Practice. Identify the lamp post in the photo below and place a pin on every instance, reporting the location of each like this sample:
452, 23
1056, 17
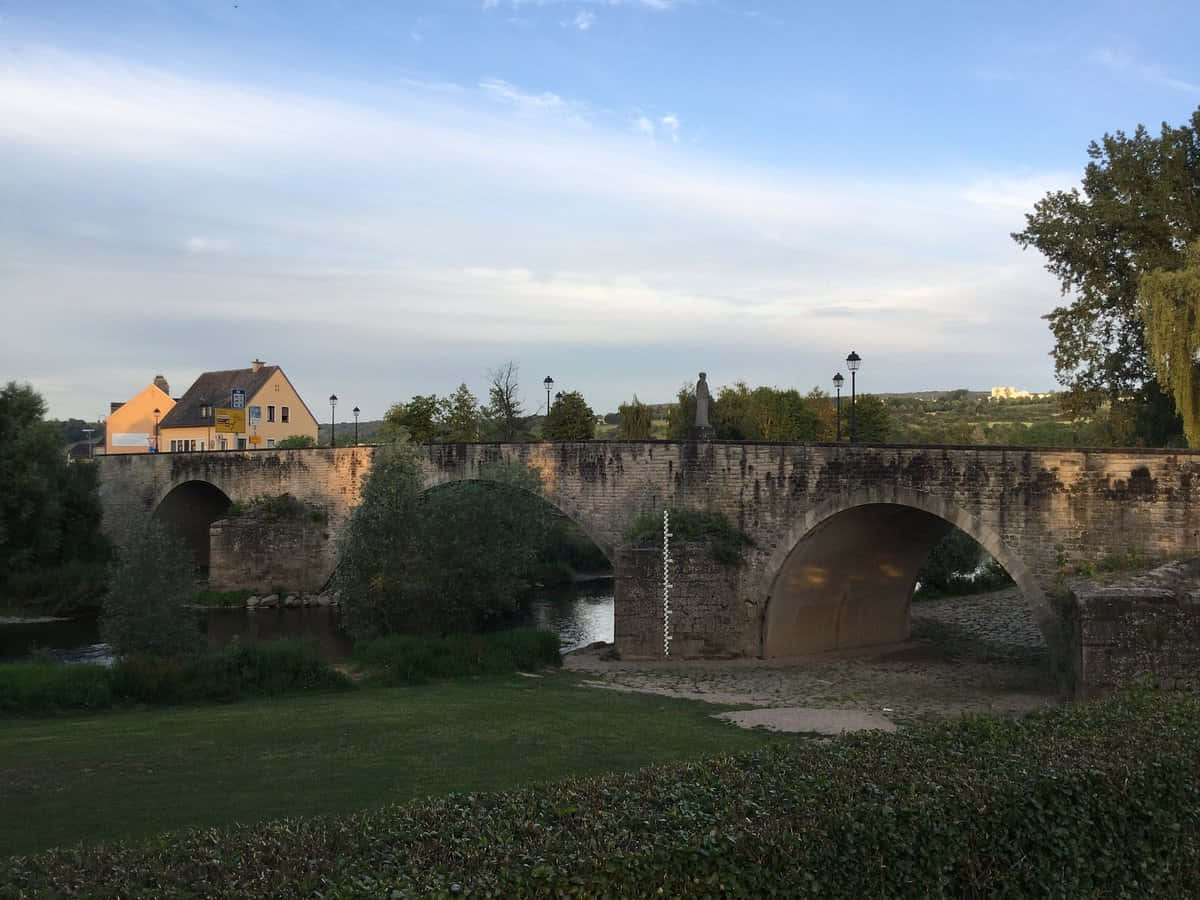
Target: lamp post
558, 396
548, 384
332, 421
205, 412
838, 381
157, 413
356, 411
853, 361
88, 437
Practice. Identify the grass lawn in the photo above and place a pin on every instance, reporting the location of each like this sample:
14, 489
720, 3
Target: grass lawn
133, 774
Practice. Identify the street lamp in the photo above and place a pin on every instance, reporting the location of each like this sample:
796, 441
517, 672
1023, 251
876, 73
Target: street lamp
332, 422
157, 413
838, 381
558, 396
205, 413
548, 384
356, 411
88, 437
853, 361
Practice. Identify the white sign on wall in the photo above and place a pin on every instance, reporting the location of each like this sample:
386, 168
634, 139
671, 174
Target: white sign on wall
130, 439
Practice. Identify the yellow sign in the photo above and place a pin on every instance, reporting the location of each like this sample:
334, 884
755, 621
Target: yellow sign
230, 421
255, 439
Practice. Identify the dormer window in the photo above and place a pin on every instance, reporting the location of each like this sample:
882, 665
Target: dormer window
205, 408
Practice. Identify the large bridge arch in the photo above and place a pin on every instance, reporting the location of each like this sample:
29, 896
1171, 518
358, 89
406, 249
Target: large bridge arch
843, 574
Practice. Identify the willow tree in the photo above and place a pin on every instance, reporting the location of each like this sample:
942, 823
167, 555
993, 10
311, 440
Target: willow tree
1170, 307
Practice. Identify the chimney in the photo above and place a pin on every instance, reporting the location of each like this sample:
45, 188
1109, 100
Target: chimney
256, 365
161, 384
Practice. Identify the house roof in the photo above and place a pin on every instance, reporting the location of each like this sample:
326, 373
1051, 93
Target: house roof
215, 387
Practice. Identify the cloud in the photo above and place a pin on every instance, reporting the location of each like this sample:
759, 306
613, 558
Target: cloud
201, 244
670, 125
1124, 63
439, 230
583, 20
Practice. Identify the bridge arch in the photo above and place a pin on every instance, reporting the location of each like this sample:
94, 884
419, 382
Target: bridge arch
874, 541
187, 510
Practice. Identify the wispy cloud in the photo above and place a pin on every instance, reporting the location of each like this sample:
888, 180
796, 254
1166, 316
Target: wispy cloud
583, 20
1125, 63
468, 224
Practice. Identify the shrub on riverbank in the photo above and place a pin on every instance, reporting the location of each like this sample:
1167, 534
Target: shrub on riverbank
243, 669
1093, 799
37, 687
412, 659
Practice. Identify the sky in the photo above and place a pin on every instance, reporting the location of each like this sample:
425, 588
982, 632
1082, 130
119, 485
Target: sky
391, 198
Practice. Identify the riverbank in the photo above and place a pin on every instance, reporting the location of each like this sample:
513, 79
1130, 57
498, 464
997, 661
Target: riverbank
134, 774
980, 653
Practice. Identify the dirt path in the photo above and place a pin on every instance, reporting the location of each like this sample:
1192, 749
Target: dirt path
979, 653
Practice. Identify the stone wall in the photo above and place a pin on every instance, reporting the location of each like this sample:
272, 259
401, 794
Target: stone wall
703, 602
1143, 626
1021, 504
253, 553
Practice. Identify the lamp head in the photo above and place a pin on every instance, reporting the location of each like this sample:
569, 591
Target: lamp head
853, 361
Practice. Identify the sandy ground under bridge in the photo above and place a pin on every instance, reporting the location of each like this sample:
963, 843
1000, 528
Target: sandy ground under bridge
978, 653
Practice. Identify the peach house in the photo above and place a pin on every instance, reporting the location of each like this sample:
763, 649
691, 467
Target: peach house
131, 425
274, 412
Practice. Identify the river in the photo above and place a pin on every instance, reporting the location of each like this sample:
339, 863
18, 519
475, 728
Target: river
581, 614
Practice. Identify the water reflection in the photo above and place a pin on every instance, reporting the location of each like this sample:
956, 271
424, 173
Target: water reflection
581, 614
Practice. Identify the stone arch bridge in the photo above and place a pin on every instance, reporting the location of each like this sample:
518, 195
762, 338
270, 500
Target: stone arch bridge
839, 531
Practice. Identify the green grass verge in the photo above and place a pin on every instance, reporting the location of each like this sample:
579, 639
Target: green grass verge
1094, 800
136, 773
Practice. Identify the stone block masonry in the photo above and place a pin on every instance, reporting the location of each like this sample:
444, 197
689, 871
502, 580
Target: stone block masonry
261, 554
1144, 626
838, 529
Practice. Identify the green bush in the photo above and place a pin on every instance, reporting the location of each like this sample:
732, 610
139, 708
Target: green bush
44, 687
69, 588
150, 595
1091, 800
413, 659
243, 669
263, 668
727, 543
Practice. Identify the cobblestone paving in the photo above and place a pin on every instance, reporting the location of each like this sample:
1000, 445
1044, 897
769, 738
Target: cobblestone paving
980, 653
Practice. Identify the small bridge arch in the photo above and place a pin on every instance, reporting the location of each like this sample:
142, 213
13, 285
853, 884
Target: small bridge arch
844, 573
187, 510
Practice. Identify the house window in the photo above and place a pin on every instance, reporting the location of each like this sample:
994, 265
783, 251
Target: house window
283, 414
202, 445
172, 446
270, 443
241, 443
193, 446
270, 414
224, 444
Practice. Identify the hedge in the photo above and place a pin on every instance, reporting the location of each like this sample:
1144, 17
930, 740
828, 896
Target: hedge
242, 669
416, 659
1099, 799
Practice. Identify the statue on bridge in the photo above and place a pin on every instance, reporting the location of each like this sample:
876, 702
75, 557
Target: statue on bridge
701, 429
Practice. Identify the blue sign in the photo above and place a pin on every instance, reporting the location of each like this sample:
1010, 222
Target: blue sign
237, 399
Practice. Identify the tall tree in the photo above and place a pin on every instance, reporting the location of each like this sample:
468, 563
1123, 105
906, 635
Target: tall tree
873, 419
636, 421
1138, 209
1170, 305
418, 420
505, 413
570, 419
460, 416
681, 416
